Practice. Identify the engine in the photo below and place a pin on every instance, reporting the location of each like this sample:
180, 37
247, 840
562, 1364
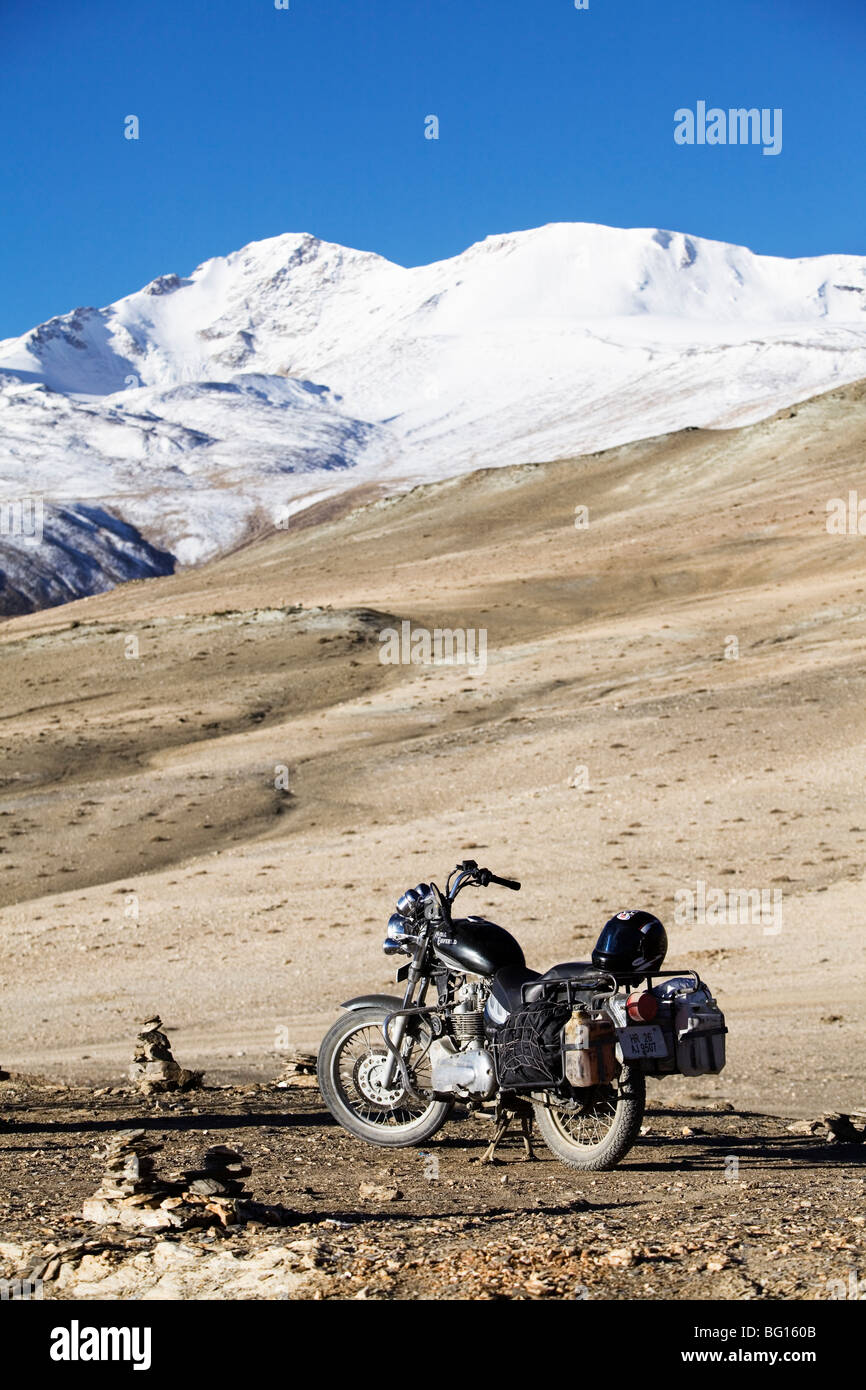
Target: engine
461, 1064
467, 1071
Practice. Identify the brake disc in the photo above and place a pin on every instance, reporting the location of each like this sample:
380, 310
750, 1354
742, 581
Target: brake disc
366, 1079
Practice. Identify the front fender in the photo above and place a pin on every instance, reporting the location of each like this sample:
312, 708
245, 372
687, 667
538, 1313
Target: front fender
369, 1001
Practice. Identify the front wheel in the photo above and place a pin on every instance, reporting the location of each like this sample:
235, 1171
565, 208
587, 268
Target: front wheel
594, 1129
349, 1067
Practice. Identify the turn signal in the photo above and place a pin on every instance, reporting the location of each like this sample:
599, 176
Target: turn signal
642, 1006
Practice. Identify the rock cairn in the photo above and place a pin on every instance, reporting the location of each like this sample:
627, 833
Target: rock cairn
299, 1070
129, 1165
130, 1193
154, 1068
842, 1129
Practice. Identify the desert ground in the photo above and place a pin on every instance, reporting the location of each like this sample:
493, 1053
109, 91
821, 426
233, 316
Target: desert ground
217, 827
212, 789
677, 1221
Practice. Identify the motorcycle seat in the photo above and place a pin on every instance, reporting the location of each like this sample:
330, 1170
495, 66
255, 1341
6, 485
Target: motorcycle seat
508, 982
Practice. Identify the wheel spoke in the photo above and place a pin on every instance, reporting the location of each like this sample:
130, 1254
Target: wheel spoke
587, 1125
358, 1067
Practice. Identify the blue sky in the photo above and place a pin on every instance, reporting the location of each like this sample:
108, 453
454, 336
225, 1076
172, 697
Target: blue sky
255, 121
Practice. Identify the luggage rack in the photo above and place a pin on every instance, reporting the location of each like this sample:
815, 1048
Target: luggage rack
588, 988
594, 983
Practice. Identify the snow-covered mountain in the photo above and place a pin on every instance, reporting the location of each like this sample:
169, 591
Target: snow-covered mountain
198, 409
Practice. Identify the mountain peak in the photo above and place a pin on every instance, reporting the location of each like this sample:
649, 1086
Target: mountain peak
295, 366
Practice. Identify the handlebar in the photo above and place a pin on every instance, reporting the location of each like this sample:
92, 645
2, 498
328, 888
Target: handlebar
468, 872
505, 882
438, 909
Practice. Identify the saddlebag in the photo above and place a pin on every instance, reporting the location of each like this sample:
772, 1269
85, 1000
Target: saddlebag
527, 1048
699, 1033
692, 1026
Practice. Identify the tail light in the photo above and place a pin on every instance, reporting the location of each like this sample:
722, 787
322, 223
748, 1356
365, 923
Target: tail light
642, 1006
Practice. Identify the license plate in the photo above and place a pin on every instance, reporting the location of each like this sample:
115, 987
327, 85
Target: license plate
640, 1043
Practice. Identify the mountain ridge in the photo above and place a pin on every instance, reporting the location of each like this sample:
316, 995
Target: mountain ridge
295, 367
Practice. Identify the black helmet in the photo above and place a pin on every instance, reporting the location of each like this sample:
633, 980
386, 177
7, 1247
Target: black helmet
632, 944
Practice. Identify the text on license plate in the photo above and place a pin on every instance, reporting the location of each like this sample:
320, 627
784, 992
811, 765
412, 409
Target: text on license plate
641, 1042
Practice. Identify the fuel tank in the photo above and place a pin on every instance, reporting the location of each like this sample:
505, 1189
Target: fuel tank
476, 945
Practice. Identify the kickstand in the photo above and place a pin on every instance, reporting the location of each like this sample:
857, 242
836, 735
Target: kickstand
503, 1123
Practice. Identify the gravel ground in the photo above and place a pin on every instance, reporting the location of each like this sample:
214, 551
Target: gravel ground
711, 1204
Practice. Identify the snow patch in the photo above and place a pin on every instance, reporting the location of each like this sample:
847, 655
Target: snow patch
199, 407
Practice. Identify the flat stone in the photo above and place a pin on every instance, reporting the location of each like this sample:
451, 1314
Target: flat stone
209, 1187
222, 1151
100, 1212
379, 1192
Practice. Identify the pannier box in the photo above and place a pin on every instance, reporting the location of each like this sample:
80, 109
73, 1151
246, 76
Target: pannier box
693, 1027
699, 1029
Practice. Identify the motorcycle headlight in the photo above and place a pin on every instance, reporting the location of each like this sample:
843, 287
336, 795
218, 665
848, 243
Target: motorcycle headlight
395, 934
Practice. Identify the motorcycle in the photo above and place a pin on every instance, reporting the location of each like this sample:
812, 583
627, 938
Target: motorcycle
570, 1048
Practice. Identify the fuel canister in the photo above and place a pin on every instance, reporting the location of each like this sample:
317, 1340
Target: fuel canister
590, 1049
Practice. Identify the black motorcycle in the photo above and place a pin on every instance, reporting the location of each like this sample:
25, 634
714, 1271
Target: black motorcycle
570, 1048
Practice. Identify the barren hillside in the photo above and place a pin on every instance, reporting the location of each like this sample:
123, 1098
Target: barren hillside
155, 855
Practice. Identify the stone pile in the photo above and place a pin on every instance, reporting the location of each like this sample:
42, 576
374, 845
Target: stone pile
130, 1193
299, 1070
834, 1126
842, 1128
217, 1189
154, 1068
129, 1165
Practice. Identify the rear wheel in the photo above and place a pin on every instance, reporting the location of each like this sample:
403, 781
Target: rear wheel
349, 1065
595, 1128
